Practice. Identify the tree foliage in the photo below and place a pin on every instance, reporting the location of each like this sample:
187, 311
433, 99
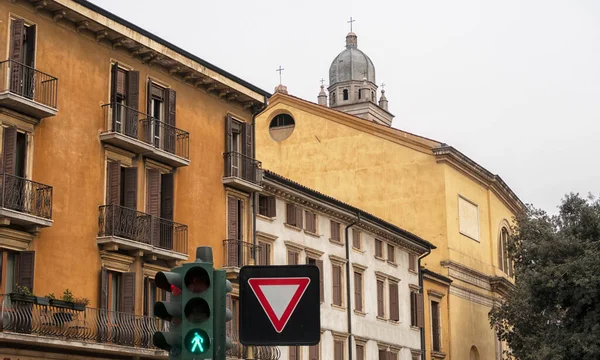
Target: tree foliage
554, 310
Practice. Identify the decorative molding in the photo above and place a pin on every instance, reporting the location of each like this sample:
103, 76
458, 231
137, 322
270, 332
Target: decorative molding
501, 286
467, 275
23, 122
314, 253
471, 295
102, 34
293, 246
82, 25
117, 154
435, 294
15, 240
150, 270
116, 262
414, 287
59, 14
266, 236
359, 267
337, 259
384, 276
152, 164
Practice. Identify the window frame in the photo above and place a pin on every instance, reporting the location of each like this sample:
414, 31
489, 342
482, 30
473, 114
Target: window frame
439, 324
382, 254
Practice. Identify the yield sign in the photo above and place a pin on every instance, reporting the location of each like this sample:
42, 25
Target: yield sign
279, 297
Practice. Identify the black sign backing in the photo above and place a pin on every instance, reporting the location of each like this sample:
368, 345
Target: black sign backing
280, 305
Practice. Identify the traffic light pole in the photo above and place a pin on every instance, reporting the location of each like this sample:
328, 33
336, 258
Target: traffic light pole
250, 355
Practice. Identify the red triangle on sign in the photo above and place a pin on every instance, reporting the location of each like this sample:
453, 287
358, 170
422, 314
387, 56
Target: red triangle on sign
279, 297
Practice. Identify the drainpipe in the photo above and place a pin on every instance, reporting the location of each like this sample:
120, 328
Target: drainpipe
254, 196
423, 355
349, 308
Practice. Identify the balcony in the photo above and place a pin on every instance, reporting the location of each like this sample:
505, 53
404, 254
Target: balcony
123, 228
93, 330
239, 351
142, 134
238, 253
242, 172
24, 202
27, 90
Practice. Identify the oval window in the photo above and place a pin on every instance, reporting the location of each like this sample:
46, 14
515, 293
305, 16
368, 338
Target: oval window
281, 127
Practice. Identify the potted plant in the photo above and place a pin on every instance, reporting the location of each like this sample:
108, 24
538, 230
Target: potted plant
79, 303
65, 302
22, 294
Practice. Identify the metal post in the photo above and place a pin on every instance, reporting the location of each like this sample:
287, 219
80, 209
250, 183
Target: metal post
250, 348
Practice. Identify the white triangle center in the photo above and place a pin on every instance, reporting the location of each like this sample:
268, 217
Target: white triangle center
279, 297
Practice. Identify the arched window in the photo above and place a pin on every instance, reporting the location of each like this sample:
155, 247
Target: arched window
504, 261
474, 355
345, 94
281, 127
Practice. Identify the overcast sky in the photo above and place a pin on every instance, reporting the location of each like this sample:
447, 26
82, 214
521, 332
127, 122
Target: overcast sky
513, 84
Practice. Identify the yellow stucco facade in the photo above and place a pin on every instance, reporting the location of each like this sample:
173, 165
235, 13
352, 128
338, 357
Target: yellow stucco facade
415, 183
79, 46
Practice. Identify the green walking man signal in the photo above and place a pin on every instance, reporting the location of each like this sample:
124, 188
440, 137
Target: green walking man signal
197, 343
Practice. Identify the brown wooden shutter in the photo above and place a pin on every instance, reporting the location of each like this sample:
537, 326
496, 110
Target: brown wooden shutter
358, 291
335, 230
293, 352
380, 309
114, 75
9, 149
309, 221
232, 231
382, 354
360, 352
113, 180
247, 146
26, 269
153, 192
103, 288
313, 352
267, 251
412, 262
292, 258
391, 253
16, 53
336, 288
127, 298
338, 351
290, 214
130, 187
356, 238
299, 217
133, 99
170, 111
378, 248
319, 264
420, 311
394, 306
271, 206
166, 196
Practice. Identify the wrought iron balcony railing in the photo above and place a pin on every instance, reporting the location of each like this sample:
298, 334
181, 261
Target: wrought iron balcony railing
141, 126
119, 221
26, 196
239, 351
243, 167
29, 83
237, 253
93, 325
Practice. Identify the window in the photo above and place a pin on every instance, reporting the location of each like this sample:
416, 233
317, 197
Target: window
294, 352
236, 252
387, 354
335, 231
504, 260
293, 215
319, 264
391, 254
412, 262
161, 107
436, 340
121, 186
336, 289
338, 349
359, 94
383, 354
266, 206
14, 148
394, 305
380, 302
292, 257
311, 221
416, 308
313, 352
159, 203
264, 253
360, 352
358, 291
332, 98
468, 214
281, 127
378, 248
22, 51
117, 291
19, 270
356, 239
345, 92
124, 99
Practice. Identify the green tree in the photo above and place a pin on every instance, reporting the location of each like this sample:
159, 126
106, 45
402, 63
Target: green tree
554, 311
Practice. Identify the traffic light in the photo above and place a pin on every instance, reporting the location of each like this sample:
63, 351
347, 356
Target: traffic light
222, 342
197, 306
169, 311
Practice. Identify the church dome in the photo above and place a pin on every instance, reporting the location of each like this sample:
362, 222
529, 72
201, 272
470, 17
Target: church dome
351, 64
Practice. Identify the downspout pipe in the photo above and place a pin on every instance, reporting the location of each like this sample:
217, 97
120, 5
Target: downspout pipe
254, 196
423, 355
348, 297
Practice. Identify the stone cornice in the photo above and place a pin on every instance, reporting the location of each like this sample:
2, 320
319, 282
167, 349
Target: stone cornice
115, 261
266, 236
496, 284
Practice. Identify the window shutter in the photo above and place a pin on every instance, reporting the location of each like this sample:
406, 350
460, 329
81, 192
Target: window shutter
378, 248
356, 238
130, 184
267, 254
127, 300
336, 288
293, 350
338, 350
232, 231
114, 74
382, 354
103, 288
16, 53
335, 230
420, 312
166, 196
313, 352
149, 99
292, 258
26, 269
358, 291
247, 140
394, 306
380, 309
113, 181
228, 144
133, 99
170, 111
153, 194
360, 352
290, 214
319, 264
271, 206
391, 253
412, 262
9, 148
309, 221
299, 217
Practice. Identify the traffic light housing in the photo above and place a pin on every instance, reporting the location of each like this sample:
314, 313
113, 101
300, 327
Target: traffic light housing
222, 342
170, 311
